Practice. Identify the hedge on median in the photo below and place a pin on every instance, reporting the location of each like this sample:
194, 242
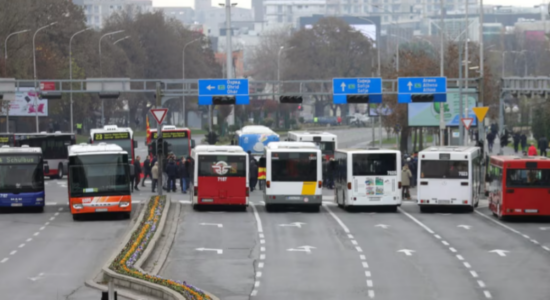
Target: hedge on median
124, 262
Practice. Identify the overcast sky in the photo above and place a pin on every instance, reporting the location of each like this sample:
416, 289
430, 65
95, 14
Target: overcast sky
246, 3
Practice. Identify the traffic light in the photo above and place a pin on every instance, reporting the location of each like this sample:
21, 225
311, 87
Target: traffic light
212, 138
167, 147
291, 99
357, 98
224, 100
300, 107
160, 147
422, 98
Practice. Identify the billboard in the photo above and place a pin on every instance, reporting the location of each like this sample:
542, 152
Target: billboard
24, 104
427, 114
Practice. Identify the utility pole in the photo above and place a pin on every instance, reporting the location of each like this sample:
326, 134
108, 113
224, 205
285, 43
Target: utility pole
229, 52
466, 71
160, 156
442, 73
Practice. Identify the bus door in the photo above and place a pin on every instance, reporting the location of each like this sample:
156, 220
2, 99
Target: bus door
446, 181
374, 178
222, 179
526, 190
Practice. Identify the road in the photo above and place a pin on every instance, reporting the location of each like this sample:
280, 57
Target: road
368, 254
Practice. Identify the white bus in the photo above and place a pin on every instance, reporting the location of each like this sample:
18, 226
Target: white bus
327, 141
449, 176
367, 177
221, 176
293, 175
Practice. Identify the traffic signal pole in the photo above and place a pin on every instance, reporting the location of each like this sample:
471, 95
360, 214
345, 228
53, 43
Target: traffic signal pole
160, 155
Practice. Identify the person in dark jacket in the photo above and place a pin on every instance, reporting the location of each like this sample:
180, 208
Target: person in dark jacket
190, 169
543, 145
146, 170
132, 177
490, 140
172, 172
137, 172
516, 139
523, 140
253, 173
183, 175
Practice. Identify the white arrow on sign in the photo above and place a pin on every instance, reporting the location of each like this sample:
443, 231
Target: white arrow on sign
410, 85
295, 224
406, 251
343, 86
499, 252
209, 87
219, 251
37, 277
212, 224
382, 226
302, 249
467, 227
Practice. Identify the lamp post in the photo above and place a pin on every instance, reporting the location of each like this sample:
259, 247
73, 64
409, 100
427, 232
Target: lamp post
35, 76
101, 72
120, 40
71, 70
184, 117
6, 41
228, 50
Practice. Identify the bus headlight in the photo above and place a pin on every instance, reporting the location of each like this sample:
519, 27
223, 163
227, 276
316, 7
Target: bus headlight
124, 204
39, 199
78, 206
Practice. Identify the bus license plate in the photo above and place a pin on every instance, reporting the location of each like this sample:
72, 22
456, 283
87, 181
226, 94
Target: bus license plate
374, 198
531, 211
207, 200
17, 204
443, 201
293, 198
101, 209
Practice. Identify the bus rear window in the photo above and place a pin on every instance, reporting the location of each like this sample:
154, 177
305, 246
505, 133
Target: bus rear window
444, 169
222, 166
293, 167
380, 164
522, 178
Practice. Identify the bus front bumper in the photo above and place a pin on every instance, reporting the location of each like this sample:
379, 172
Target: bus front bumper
115, 208
294, 199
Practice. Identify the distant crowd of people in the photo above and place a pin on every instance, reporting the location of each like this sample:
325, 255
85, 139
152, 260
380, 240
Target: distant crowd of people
174, 170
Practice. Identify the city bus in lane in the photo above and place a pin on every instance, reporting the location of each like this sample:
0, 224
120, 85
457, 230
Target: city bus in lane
519, 186
21, 177
99, 180
449, 176
222, 176
179, 140
326, 141
112, 134
369, 177
6, 139
254, 138
293, 175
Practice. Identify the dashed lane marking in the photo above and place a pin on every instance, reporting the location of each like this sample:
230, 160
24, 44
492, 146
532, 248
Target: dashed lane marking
260, 230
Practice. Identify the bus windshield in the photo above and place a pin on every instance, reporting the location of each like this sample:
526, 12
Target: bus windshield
327, 148
126, 145
180, 147
444, 169
20, 173
293, 167
222, 166
379, 164
99, 174
523, 178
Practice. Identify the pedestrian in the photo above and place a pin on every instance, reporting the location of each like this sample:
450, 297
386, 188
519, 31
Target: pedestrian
154, 176
413, 167
406, 181
331, 172
146, 170
516, 139
491, 140
253, 174
172, 172
261, 172
137, 172
543, 145
183, 175
190, 166
532, 150
132, 177
523, 141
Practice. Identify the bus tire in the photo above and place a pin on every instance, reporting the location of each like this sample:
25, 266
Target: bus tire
76, 218
126, 216
394, 208
40, 209
60, 171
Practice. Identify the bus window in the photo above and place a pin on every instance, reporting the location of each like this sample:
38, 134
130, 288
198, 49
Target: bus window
521, 178
374, 164
440, 169
222, 166
294, 167
327, 148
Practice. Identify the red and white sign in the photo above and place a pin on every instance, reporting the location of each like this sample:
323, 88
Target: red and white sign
47, 86
467, 122
159, 114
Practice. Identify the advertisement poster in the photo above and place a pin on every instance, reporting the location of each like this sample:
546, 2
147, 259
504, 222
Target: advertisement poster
24, 104
378, 186
427, 114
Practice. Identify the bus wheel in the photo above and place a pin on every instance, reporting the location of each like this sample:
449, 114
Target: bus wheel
393, 208
76, 218
60, 171
40, 209
126, 215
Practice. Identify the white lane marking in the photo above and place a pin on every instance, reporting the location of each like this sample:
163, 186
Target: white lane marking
262, 235
13, 252
501, 253
384, 226
262, 241
526, 236
295, 224
406, 251
487, 294
258, 274
56, 214
497, 222
437, 236
262, 249
452, 249
47, 223
467, 265
22, 245
262, 256
29, 239
256, 284
371, 294
185, 201
257, 216
459, 257
350, 236
358, 249
481, 283
369, 283
344, 227
362, 257
260, 265
262, 202
52, 218
4, 260
545, 248
367, 274
354, 242
417, 222
42, 228
535, 242
36, 233
365, 265
445, 243
219, 251
474, 274
61, 208
212, 224
254, 293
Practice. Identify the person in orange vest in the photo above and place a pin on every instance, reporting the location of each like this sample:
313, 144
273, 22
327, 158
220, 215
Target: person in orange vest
532, 150
261, 172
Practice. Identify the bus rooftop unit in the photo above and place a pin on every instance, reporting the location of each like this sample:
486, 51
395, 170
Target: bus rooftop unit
254, 138
327, 142
112, 134
367, 178
222, 176
99, 180
293, 175
21, 177
449, 176
518, 186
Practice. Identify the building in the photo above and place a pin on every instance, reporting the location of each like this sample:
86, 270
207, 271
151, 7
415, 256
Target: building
97, 11
186, 15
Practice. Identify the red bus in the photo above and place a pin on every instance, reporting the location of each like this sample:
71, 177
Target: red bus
221, 176
178, 139
112, 134
519, 186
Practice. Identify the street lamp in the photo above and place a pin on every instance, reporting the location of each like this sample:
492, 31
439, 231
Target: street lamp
183, 77
6, 41
228, 50
122, 39
71, 70
34, 67
101, 73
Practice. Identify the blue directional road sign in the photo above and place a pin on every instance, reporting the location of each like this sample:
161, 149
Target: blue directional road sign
408, 86
223, 87
341, 87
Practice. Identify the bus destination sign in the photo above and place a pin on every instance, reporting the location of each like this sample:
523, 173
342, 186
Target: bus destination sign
5, 160
111, 136
171, 134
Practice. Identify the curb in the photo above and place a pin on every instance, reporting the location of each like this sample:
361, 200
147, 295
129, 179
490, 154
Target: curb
171, 236
145, 256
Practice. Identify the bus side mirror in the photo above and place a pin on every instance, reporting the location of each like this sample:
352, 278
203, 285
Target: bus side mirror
193, 144
135, 144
